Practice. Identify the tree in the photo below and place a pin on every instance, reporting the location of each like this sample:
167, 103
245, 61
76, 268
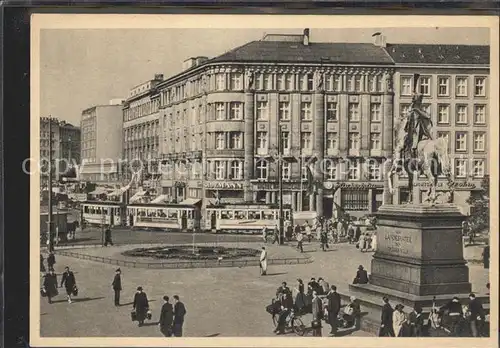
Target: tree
479, 202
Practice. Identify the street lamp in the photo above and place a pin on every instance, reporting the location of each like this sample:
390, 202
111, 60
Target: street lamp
49, 217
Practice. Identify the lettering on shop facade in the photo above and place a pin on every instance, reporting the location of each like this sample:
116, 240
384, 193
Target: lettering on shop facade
455, 185
224, 185
397, 243
328, 185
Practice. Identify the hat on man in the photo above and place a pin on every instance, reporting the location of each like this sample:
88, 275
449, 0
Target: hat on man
360, 267
139, 288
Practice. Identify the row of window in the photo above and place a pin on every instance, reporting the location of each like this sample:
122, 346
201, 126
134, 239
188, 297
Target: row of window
88, 144
226, 140
145, 108
273, 82
462, 166
462, 113
479, 140
443, 86
331, 141
147, 129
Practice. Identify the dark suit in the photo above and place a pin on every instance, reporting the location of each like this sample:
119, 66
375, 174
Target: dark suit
386, 328
141, 306
333, 310
51, 261
117, 287
476, 316
69, 282
416, 324
179, 313
317, 312
166, 319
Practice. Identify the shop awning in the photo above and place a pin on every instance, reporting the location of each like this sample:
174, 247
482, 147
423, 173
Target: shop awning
191, 201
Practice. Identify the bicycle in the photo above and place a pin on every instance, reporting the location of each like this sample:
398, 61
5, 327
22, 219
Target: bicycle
293, 321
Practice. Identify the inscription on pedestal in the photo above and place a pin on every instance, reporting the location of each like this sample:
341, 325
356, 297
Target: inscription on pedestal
397, 243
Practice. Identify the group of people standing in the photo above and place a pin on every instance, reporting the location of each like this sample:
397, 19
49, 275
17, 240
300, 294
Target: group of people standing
396, 323
320, 299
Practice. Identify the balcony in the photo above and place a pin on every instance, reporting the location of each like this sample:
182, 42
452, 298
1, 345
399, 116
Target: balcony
225, 152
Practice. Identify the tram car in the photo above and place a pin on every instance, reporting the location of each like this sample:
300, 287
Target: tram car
107, 213
177, 217
245, 218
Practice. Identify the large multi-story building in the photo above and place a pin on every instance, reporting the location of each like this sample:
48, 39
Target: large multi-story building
454, 81
331, 102
141, 126
69, 146
48, 125
101, 142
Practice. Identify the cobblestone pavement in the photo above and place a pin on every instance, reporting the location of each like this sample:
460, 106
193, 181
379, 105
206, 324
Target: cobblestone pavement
219, 301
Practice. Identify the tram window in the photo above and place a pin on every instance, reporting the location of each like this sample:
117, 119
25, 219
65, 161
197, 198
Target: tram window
224, 214
190, 214
163, 213
239, 214
258, 215
218, 214
85, 209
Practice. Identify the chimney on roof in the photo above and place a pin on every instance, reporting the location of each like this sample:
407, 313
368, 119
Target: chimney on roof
306, 37
379, 40
158, 77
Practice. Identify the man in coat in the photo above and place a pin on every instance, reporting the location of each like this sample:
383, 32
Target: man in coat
166, 318
317, 313
454, 309
477, 316
416, 321
333, 308
282, 290
107, 237
179, 313
69, 282
386, 328
51, 261
263, 261
286, 307
117, 286
50, 285
324, 287
141, 305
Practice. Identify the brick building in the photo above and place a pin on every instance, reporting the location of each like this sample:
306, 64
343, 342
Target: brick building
454, 80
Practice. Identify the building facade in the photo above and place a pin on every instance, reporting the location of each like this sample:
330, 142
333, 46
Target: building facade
101, 142
48, 125
141, 129
330, 105
69, 146
454, 80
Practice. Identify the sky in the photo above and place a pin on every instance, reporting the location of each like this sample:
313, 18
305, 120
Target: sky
80, 68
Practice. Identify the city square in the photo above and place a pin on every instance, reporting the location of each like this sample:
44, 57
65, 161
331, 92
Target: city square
352, 165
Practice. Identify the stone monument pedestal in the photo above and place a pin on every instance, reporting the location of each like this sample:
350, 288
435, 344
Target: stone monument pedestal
419, 256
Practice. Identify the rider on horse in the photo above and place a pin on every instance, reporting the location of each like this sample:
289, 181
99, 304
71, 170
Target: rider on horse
417, 126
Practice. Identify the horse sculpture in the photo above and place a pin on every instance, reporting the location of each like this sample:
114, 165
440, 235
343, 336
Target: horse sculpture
431, 159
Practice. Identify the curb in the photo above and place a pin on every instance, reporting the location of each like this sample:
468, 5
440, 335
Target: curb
185, 264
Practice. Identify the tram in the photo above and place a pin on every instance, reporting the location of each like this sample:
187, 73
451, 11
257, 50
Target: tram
245, 218
107, 213
179, 217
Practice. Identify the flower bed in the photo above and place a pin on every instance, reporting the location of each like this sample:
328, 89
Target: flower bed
185, 252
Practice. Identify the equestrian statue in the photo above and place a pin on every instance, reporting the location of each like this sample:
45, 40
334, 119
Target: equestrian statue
417, 151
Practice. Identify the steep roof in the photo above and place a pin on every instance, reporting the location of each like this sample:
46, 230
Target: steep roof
439, 54
294, 52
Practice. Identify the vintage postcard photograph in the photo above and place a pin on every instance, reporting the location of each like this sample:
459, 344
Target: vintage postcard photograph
284, 181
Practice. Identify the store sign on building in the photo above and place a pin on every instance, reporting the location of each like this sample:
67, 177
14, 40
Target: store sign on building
457, 185
224, 185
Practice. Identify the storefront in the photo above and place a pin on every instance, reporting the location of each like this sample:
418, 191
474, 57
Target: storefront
354, 198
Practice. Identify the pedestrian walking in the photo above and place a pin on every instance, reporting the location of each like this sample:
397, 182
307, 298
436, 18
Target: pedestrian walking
51, 260
42, 266
486, 257
300, 239
263, 261
333, 309
69, 282
477, 316
264, 234
308, 232
166, 317
324, 241
276, 235
50, 285
107, 237
117, 286
398, 320
350, 233
416, 322
317, 313
454, 308
386, 327
141, 305
179, 314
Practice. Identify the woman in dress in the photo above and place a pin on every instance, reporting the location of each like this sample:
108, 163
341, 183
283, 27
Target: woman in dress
398, 320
